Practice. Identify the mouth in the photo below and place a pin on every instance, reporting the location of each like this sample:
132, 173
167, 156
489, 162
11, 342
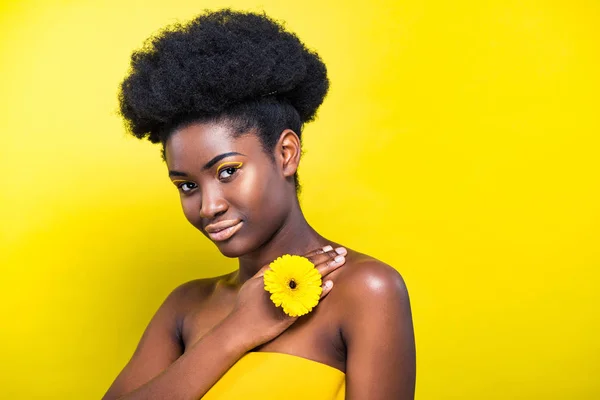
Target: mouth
221, 232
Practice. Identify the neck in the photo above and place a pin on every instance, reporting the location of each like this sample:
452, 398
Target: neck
295, 236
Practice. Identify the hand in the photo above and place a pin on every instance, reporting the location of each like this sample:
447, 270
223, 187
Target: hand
256, 314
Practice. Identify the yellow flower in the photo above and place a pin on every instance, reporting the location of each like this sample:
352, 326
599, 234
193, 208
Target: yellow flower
294, 284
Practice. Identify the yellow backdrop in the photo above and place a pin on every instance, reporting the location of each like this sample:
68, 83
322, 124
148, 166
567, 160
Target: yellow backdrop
459, 143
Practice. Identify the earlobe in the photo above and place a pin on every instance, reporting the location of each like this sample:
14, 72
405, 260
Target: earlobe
289, 152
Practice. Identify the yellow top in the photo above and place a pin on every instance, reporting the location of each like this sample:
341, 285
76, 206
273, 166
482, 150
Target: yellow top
277, 376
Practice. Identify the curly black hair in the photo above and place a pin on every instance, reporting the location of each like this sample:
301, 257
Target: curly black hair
237, 67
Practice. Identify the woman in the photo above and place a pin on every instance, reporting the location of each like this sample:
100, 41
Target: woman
227, 95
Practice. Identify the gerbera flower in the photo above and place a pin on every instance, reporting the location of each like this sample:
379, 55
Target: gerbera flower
294, 284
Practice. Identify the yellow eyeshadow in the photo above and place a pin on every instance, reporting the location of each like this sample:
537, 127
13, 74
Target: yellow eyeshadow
228, 165
178, 181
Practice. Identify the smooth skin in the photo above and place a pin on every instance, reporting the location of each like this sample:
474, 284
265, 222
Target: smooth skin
362, 325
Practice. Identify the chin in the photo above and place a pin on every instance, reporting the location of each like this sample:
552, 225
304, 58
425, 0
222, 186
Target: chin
239, 245
230, 251
233, 248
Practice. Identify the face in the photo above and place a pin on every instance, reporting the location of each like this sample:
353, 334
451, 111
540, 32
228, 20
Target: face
230, 189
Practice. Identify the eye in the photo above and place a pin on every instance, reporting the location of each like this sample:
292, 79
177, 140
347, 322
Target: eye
226, 172
187, 187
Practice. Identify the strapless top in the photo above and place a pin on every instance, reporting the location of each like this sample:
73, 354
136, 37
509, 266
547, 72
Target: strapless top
278, 376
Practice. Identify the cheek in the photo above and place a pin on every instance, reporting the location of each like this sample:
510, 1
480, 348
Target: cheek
262, 196
191, 206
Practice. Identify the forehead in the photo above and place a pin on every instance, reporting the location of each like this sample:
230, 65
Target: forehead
197, 143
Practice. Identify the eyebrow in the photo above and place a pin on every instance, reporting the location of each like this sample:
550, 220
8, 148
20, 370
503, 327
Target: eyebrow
209, 164
218, 158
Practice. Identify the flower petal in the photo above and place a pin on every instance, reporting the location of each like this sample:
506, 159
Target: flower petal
305, 295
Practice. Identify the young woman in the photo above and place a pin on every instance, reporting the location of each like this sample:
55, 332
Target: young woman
227, 95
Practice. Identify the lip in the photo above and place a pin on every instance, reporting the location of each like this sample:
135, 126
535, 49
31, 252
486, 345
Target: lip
223, 230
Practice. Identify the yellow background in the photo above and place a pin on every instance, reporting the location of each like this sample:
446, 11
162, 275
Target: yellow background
459, 143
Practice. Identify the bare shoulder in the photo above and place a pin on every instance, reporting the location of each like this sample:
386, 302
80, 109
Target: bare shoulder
364, 278
370, 297
194, 290
191, 294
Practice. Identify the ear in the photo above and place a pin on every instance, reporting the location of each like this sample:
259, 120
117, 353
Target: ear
287, 152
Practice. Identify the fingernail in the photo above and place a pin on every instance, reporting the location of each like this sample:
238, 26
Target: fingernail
328, 285
327, 248
341, 250
338, 259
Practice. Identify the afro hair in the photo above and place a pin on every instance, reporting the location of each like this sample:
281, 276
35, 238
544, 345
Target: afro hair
239, 66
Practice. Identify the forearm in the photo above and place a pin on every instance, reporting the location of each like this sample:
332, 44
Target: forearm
195, 372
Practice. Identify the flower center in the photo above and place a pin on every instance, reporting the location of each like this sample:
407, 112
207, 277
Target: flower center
292, 284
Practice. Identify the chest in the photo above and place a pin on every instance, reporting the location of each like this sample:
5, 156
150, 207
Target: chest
315, 336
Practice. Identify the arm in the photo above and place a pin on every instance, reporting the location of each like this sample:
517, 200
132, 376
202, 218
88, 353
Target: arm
157, 370
379, 337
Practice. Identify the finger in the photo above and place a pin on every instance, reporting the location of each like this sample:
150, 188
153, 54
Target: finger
325, 254
327, 286
324, 249
320, 250
317, 256
330, 265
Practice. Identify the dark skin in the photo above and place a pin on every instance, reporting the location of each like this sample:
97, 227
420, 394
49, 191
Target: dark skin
363, 326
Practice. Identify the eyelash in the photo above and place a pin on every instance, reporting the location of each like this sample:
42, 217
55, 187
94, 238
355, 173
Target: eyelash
232, 166
226, 167
182, 184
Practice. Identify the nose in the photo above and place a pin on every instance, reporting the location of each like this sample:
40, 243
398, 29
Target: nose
213, 204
